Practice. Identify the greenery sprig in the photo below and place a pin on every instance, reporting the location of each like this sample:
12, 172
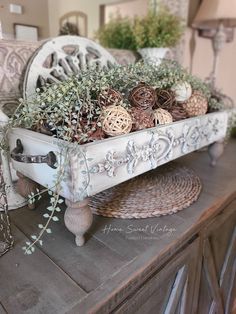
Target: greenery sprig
156, 29
70, 110
117, 33
52, 209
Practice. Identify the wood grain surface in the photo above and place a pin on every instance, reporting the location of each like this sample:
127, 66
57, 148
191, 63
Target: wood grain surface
119, 256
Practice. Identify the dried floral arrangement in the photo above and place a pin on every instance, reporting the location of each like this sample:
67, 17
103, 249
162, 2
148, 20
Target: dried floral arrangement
75, 110
107, 102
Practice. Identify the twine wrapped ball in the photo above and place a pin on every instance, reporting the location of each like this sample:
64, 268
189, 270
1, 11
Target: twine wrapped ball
161, 116
143, 96
109, 97
196, 105
116, 121
178, 112
182, 91
141, 119
165, 99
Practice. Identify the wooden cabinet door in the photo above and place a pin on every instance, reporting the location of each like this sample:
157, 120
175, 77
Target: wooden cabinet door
170, 290
217, 285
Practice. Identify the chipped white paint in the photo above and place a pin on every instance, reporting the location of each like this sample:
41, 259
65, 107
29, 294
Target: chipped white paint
97, 166
61, 57
102, 164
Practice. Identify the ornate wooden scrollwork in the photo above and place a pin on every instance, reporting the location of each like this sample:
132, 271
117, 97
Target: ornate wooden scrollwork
61, 57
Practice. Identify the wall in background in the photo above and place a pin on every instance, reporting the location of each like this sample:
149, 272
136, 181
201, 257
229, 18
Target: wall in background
130, 9
46, 13
203, 61
35, 12
57, 8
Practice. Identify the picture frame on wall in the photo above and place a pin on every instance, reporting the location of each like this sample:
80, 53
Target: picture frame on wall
26, 32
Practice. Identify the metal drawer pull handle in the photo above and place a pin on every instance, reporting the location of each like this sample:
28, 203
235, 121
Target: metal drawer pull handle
17, 154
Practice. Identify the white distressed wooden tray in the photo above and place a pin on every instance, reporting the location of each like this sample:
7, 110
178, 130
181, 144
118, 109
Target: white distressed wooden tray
100, 165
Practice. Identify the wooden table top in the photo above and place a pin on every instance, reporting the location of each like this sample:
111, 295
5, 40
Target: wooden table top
60, 277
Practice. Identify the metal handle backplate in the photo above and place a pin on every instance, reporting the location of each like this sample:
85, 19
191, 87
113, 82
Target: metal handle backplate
17, 154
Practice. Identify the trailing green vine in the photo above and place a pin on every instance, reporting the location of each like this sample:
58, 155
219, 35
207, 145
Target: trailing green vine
53, 208
69, 111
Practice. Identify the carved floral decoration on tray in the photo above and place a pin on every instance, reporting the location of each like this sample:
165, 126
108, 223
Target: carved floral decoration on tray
99, 103
160, 147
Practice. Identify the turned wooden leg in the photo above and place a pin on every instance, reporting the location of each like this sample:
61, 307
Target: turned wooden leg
25, 186
215, 150
78, 219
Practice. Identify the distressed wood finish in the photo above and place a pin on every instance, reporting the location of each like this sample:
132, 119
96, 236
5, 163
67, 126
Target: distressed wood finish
35, 285
210, 271
120, 271
100, 165
97, 166
176, 280
219, 263
2, 311
78, 219
215, 151
25, 186
60, 57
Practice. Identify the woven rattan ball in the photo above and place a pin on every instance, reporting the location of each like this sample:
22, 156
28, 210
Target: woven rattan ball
143, 96
109, 97
116, 121
196, 105
178, 112
141, 119
182, 91
161, 116
165, 99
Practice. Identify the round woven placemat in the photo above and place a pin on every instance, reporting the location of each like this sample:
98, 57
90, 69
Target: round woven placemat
163, 191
